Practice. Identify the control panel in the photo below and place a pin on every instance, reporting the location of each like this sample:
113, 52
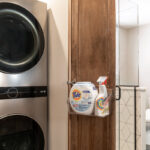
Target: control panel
22, 92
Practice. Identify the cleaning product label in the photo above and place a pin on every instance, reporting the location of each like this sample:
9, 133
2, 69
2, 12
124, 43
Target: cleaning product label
76, 94
94, 88
100, 103
82, 97
81, 100
102, 100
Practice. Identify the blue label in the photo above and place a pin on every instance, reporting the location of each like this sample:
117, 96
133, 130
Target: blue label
86, 91
94, 88
81, 107
76, 95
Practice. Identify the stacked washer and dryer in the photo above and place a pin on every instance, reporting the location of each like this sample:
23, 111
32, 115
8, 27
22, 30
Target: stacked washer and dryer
23, 75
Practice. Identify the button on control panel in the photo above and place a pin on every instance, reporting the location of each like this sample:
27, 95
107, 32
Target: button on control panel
12, 93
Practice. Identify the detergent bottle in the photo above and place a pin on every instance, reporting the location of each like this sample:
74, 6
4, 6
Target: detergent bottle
101, 103
82, 97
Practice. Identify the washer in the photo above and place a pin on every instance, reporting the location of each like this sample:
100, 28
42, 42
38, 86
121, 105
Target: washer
23, 75
23, 118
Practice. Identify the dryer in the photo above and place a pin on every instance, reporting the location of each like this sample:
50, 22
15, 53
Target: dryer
23, 43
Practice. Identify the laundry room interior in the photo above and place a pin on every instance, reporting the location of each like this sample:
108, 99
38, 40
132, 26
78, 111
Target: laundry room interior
74, 75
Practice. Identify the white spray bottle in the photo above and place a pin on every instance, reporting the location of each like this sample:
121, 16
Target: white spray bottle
101, 104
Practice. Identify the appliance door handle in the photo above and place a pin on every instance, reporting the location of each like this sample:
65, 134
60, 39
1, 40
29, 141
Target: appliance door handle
119, 96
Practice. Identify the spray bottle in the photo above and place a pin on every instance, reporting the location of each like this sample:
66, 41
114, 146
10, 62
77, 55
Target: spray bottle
101, 103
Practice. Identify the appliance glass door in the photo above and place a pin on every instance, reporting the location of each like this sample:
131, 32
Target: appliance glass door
21, 39
20, 133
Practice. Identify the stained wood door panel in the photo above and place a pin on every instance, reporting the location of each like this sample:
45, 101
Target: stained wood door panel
74, 51
92, 39
92, 54
89, 133
112, 70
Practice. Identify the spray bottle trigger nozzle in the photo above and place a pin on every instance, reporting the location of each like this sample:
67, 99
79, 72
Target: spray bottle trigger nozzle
102, 80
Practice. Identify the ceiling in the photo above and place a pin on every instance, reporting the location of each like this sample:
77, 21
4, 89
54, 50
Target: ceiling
133, 13
44, 1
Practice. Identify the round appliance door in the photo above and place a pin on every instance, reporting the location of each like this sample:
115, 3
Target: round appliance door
21, 39
20, 133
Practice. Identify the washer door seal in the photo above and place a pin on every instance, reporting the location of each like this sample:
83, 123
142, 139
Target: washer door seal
21, 39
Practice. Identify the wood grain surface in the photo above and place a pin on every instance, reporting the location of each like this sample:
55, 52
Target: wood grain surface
92, 54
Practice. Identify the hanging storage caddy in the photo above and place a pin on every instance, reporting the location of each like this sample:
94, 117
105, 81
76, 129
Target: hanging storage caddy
85, 100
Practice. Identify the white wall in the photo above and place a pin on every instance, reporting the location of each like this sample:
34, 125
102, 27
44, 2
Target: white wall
144, 53
58, 74
133, 56
129, 56
123, 56
117, 58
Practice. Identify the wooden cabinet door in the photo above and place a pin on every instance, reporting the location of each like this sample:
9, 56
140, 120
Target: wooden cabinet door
92, 54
